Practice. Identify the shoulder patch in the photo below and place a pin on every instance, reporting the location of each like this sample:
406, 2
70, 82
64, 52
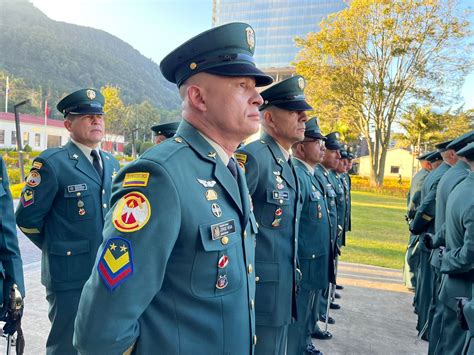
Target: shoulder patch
136, 179
33, 179
27, 197
131, 212
37, 165
242, 158
116, 262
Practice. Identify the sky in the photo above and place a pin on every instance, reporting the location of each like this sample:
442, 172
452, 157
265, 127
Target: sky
155, 27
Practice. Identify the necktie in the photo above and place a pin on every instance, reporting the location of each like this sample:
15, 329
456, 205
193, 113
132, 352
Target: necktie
232, 166
96, 162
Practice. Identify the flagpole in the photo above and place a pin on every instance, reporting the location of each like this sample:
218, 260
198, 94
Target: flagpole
46, 124
7, 89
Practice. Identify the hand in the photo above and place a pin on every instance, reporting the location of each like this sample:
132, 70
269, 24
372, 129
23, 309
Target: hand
411, 214
460, 312
428, 240
12, 321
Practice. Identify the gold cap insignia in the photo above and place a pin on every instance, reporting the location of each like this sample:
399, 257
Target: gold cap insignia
193, 66
250, 37
301, 83
90, 94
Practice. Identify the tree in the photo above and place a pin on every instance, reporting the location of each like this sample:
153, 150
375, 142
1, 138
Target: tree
372, 60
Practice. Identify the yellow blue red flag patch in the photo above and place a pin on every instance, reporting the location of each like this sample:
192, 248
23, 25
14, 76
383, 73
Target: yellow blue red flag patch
135, 179
116, 262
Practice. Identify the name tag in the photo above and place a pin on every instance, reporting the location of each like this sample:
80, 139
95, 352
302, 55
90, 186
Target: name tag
222, 229
316, 195
77, 188
281, 195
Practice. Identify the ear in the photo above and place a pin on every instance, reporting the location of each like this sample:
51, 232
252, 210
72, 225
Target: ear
269, 119
197, 97
68, 124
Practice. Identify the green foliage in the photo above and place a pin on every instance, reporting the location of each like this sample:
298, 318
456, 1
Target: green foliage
145, 146
13, 175
16, 189
127, 149
27, 148
47, 59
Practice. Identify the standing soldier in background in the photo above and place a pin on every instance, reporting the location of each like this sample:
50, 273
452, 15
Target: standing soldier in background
413, 201
164, 131
175, 272
276, 197
62, 211
313, 238
423, 222
10, 259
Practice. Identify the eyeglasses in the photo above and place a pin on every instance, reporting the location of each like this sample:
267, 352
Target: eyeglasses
318, 141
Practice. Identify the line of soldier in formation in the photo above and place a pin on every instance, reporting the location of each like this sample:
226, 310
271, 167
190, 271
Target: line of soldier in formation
440, 255
202, 245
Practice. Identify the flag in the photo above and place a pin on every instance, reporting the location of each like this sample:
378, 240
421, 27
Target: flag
46, 110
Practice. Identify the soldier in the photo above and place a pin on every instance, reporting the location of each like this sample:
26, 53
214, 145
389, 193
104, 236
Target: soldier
457, 263
465, 313
274, 189
164, 131
411, 259
447, 183
175, 272
322, 171
10, 259
63, 207
313, 238
423, 222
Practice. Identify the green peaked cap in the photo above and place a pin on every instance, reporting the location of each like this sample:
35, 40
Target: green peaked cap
287, 94
82, 102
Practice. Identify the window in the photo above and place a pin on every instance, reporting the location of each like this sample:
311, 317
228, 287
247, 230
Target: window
26, 138
2, 136
37, 139
394, 169
54, 141
13, 138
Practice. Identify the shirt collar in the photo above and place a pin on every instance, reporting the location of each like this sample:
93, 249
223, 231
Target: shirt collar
309, 167
286, 154
219, 150
85, 149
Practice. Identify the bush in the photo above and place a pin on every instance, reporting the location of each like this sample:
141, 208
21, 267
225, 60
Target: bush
34, 154
27, 148
145, 146
16, 189
10, 162
391, 186
128, 159
13, 154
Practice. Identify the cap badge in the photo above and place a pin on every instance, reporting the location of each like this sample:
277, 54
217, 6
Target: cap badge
250, 37
90, 94
301, 83
193, 66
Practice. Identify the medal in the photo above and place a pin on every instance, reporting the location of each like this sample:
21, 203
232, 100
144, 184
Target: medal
221, 282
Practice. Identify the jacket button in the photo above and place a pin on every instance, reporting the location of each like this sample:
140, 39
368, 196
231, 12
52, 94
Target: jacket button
69, 253
224, 240
257, 224
257, 279
250, 268
313, 256
104, 205
252, 304
103, 192
78, 194
245, 234
254, 340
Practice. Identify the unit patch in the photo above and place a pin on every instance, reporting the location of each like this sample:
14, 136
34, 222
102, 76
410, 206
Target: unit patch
131, 212
136, 179
33, 179
37, 165
27, 198
115, 263
242, 158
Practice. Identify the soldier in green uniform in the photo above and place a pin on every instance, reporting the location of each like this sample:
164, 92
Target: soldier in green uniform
175, 272
164, 131
411, 258
343, 172
63, 207
447, 183
275, 193
11, 267
466, 322
457, 265
313, 238
322, 174
422, 223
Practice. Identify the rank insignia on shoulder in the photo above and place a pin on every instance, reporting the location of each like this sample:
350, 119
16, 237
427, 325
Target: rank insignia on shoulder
136, 179
27, 198
116, 263
242, 158
131, 212
207, 183
33, 179
37, 165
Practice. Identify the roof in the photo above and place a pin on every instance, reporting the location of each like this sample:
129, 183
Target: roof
30, 119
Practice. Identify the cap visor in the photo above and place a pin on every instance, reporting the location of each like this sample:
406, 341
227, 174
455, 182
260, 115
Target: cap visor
86, 111
244, 70
299, 105
315, 135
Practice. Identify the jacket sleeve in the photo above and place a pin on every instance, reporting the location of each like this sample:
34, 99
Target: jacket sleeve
36, 201
425, 213
10, 257
124, 295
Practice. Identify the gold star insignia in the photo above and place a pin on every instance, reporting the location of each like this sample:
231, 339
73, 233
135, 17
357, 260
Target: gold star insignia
113, 246
123, 248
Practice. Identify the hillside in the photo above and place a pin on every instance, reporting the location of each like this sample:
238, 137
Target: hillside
55, 58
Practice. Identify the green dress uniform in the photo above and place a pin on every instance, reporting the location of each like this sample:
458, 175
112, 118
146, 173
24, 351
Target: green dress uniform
11, 267
468, 311
276, 198
175, 273
338, 186
457, 263
62, 211
424, 223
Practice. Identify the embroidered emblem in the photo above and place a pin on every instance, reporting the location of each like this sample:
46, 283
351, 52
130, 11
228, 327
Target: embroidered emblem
27, 198
136, 179
116, 262
250, 37
37, 165
131, 212
33, 179
241, 157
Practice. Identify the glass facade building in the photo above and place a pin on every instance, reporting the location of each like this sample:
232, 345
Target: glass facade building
276, 24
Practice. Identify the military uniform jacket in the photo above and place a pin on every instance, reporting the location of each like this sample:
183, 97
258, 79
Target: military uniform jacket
425, 213
277, 202
62, 211
346, 180
415, 186
458, 258
175, 273
314, 237
11, 268
446, 184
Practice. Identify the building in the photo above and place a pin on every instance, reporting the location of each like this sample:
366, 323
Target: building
399, 161
276, 24
40, 136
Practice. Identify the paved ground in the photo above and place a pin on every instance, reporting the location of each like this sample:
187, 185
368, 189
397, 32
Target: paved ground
376, 315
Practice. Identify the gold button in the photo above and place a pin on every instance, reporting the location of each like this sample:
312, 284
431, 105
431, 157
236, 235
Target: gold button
104, 205
257, 279
252, 304
224, 240
178, 140
250, 268
69, 253
78, 194
245, 234
254, 340
193, 66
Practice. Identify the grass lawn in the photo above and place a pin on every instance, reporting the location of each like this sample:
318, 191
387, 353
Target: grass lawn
379, 232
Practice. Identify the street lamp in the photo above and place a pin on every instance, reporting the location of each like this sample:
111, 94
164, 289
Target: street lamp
18, 138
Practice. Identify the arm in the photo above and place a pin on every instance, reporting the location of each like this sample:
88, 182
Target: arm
36, 202
425, 213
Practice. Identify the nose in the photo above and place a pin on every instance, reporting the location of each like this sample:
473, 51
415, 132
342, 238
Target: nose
303, 116
257, 99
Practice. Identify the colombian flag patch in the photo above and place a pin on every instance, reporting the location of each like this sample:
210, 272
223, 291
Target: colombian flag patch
136, 179
115, 263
